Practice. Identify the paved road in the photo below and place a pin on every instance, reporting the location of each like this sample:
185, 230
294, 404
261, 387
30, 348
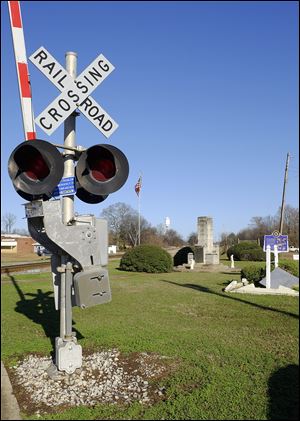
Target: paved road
9, 405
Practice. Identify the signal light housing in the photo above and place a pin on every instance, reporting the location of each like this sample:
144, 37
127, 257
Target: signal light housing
101, 170
89, 197
35, 168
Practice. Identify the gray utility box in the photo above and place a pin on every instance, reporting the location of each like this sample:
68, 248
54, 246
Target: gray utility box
85, 241
91, 287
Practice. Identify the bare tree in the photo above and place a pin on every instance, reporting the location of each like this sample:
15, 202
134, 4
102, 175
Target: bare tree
20, 231
115, 215
151, 235
192, 239
129, 228
8, 221
260, 226
172, 238
291, 224
123, 224
227, 240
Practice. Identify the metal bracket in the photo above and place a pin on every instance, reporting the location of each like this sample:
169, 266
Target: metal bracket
86, 240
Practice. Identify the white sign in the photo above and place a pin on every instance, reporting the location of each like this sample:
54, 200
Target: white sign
75, 93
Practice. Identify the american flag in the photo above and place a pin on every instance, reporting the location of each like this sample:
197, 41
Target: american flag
138, 186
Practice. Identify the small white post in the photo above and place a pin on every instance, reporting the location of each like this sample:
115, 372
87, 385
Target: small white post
276, 255
232, 261
268, 267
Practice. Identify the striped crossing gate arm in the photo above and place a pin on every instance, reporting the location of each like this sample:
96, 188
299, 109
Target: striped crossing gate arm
22, 69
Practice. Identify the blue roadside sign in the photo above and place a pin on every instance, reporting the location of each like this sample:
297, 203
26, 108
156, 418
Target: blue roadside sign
66, 187
281, 241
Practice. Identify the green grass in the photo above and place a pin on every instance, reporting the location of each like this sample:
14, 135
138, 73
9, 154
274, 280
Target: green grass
238, 354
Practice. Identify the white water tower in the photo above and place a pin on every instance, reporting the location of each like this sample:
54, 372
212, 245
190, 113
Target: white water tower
167, 223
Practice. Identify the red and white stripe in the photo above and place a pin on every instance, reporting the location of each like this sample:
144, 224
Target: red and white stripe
22, 69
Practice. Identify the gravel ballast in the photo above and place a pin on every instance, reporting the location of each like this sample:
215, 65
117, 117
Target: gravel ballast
105, 377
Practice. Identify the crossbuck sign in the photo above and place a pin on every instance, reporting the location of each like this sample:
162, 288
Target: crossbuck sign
75, 93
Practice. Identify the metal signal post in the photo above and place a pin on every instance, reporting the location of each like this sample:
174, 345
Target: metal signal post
69, 140
71, 359
49, 180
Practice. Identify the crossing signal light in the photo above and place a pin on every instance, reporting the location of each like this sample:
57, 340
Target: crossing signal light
101, 170
87, 197
35, 168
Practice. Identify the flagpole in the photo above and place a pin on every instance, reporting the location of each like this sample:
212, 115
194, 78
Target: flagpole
139, 211
137, 189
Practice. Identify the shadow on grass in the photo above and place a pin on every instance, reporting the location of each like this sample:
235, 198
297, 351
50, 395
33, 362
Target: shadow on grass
284, 394
41, 310
225, 295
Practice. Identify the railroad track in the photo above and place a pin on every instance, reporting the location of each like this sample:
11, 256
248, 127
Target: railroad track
24, 267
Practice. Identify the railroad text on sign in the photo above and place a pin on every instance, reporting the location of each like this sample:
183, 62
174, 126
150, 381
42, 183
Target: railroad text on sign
75, 93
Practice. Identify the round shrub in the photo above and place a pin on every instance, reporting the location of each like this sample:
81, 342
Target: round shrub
255, 255
181, 256
146, 258
241, 246
253, 273
247, 251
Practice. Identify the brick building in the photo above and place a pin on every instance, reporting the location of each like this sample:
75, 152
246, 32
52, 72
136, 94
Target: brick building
16, 244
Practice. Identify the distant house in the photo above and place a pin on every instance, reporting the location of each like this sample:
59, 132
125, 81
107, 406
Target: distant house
112, 249
16, 244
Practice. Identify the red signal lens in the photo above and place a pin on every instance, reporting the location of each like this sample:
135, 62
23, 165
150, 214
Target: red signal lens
31, 161
102, 168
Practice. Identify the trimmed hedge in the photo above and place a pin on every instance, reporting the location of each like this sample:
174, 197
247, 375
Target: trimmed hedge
291, 266
247, 251
146, 258
254, 273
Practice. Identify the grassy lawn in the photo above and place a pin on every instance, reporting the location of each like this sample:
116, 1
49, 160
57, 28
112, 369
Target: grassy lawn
237, 355
7, 258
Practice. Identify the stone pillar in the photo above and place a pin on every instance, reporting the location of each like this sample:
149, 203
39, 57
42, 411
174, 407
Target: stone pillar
205, 233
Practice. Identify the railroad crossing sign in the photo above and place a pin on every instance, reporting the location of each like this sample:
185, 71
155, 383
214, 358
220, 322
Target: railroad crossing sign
75, 93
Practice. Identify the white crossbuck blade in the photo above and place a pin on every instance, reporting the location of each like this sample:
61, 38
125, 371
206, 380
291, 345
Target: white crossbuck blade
75, 93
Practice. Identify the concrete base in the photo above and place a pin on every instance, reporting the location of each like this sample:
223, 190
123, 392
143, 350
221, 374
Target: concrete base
212, 259
68, 355
251, 289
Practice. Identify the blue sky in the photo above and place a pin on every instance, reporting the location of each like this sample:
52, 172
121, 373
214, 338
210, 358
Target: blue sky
205, 95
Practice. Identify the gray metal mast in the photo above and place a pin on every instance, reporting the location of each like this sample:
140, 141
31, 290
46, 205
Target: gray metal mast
68, 206
68, 353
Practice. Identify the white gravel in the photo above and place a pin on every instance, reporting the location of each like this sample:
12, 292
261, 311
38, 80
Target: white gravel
103, 378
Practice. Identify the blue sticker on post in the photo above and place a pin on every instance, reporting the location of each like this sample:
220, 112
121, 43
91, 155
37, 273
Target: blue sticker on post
281, 241
66, 187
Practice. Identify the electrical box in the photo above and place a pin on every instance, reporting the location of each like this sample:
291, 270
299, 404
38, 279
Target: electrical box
91, 287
